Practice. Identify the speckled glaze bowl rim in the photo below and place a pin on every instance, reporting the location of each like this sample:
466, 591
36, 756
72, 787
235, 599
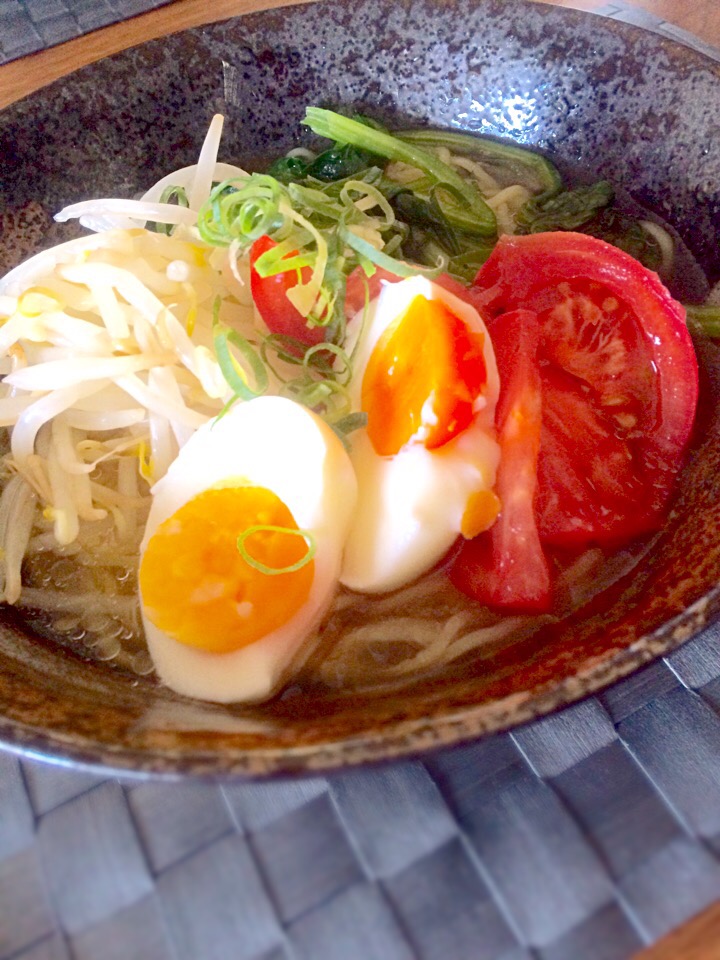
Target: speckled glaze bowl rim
405, 737
406, 740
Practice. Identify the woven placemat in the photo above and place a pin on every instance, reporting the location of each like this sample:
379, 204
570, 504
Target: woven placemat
581, 837
30, 25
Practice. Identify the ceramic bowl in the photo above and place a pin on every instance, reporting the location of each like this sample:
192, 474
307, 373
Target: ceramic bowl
597, 96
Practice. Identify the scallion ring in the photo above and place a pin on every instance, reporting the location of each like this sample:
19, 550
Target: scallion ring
269, 528
234, 373
367, 190
350, 423
380, 259
286, 348
343, 375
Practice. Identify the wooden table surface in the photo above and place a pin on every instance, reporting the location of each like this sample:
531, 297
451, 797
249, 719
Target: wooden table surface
699, 939
701, 17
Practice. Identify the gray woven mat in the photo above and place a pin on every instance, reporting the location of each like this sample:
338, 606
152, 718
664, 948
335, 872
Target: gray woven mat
30, 25
581, 837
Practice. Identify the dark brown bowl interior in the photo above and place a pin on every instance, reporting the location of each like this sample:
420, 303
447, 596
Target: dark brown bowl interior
600, 97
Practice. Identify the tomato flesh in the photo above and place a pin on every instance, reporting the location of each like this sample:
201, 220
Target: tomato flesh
587, 476
270, 297
619, 382
592, 335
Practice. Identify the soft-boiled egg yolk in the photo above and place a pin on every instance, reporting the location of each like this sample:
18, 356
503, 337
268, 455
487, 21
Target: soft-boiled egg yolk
199, 588
242, 550
422, 378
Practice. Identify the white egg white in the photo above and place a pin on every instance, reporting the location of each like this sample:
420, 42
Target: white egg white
277, 444
410, 506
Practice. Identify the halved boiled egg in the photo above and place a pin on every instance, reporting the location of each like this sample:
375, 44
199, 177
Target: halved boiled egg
242, 550
424, 372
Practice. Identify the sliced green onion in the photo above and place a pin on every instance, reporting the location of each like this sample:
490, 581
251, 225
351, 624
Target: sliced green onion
326, 393
175, 193
346, 425
315, 201
234, 373
342, 376
350, 423
368, 268
393, 244
269, 528
380, 259
466, 265
169, 194
226, 409
703, 319
367, 190
304, 295
334, 283
329, 399
373, 175
282, 258
241, 209
286, 348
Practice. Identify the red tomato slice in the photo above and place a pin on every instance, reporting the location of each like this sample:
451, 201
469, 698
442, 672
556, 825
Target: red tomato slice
506, 567
619, 378
270, 296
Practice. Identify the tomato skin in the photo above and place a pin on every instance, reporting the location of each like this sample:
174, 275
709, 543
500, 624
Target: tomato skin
270, 297
617, 366
506, 568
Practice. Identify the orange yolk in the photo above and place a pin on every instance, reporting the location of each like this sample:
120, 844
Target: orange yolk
422, 378
481, 512
198, 589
